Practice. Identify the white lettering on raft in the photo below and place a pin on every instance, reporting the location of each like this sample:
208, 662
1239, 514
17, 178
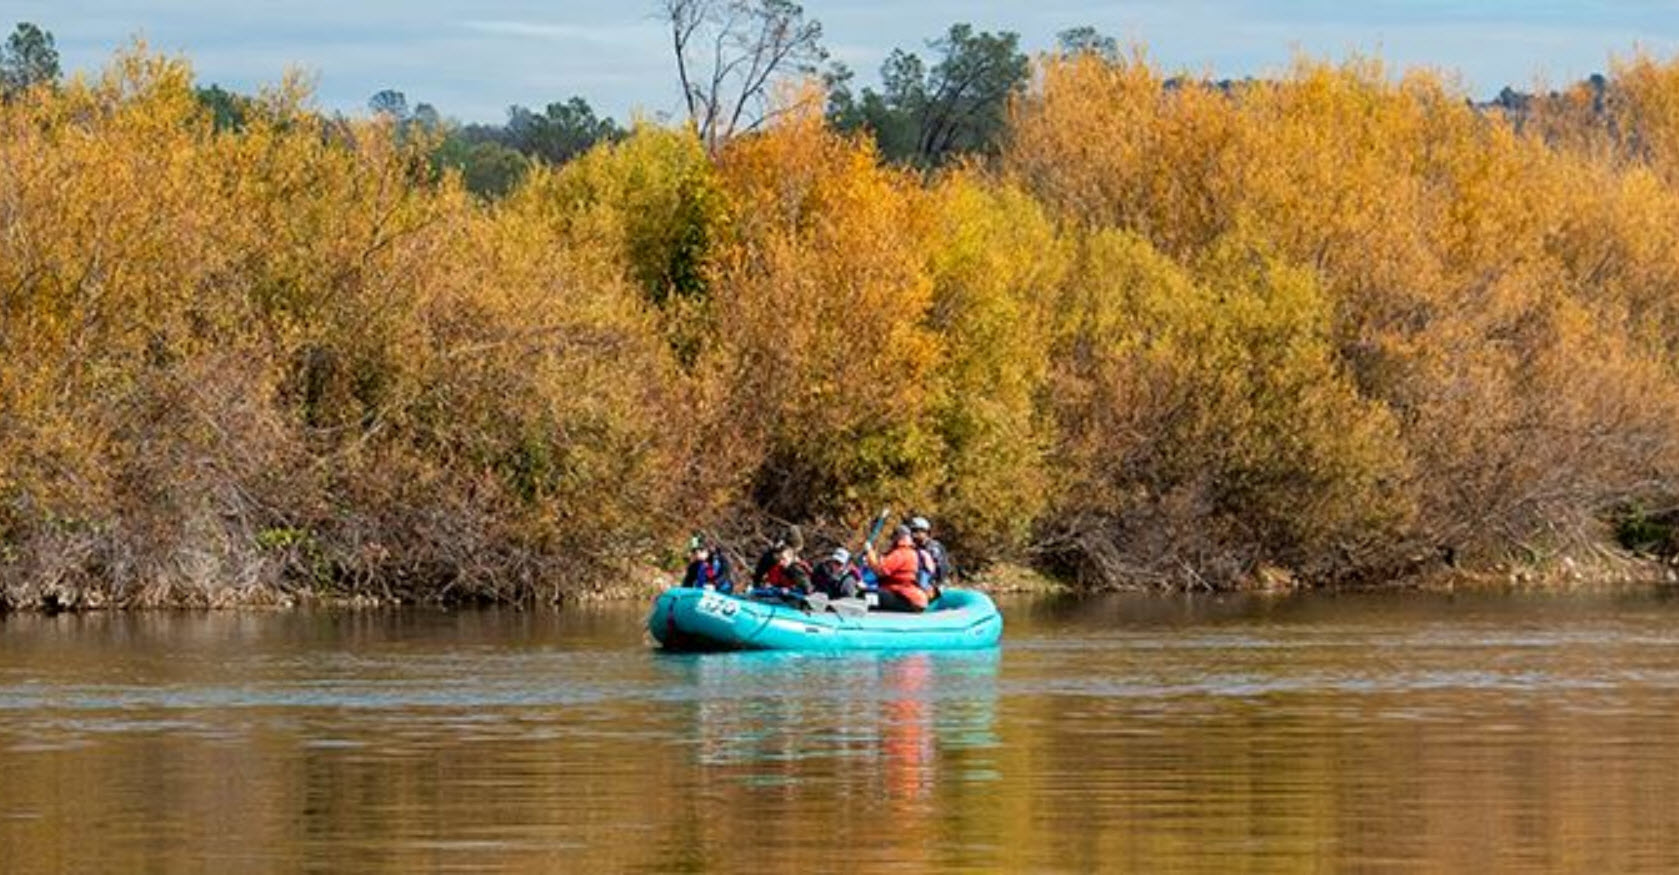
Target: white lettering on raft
717, 606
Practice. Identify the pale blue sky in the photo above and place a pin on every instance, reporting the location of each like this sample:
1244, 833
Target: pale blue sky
473, 59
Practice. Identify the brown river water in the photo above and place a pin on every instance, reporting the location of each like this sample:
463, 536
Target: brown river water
1370, 732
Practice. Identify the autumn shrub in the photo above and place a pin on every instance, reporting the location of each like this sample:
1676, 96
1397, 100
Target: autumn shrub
653, 211
653, 200
1498, 290
821, 298
996, 263
241, 365
1206, 425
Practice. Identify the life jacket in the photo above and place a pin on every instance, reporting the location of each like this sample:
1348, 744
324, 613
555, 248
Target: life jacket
783, 578
898, 571
712, 575
926, 568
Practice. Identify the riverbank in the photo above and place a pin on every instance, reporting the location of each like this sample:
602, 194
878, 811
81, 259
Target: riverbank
638, 583
1605, 570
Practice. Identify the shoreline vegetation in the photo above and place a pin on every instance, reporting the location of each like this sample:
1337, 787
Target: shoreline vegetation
1340, 327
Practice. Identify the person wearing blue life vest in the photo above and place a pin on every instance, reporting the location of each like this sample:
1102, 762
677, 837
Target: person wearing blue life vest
708, 568
941, 572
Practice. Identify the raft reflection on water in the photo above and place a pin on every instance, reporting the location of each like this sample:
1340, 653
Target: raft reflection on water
880, 721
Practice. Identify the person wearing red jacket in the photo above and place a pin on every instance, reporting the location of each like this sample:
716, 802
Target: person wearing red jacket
781, 573
898, 573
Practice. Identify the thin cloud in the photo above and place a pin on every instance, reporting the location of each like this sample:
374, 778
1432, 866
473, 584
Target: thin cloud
608, 36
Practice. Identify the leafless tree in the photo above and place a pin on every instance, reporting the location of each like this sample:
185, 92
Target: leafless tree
729, 52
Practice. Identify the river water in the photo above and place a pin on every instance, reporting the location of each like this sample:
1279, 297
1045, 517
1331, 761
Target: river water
1382, 732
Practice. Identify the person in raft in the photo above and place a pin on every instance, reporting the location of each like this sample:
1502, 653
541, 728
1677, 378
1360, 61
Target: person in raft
836, 577
708, 568
942, 573
780, 571
898, 572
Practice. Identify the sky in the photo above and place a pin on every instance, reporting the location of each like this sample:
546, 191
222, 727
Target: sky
472, 60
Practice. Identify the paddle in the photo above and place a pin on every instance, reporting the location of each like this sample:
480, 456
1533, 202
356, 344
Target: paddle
852, 607
868, 544
875, 530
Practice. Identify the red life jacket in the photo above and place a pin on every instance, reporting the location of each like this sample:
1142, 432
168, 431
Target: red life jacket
782, 577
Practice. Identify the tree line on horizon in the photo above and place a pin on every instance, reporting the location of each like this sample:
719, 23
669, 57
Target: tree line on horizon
1333, 326
924, 114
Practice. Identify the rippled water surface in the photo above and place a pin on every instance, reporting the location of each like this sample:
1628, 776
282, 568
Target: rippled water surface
1378, 732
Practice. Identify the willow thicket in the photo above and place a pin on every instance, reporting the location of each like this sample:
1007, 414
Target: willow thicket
1338, 325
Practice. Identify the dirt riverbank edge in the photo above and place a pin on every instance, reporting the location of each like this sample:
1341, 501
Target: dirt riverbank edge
1604, 570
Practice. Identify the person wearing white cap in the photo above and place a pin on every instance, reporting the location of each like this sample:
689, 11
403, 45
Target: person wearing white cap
836, 576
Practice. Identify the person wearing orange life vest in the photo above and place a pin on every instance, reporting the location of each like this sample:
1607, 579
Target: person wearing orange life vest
899, 573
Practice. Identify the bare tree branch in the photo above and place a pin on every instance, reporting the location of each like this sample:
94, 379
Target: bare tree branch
683, 23
730, 52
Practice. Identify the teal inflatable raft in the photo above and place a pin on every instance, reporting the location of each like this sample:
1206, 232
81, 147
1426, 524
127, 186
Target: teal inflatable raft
697, 620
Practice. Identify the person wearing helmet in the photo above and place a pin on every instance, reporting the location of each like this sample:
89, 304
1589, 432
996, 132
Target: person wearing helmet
836, 577
897, 572
942, 571
708, 568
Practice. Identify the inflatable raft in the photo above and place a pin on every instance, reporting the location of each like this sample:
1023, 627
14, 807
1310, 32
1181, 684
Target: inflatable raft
689, 619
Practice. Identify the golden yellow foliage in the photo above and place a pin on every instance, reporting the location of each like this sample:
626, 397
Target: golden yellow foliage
284, 359
1505, 294
1338, 322
1205, 424
997, 264
821, 297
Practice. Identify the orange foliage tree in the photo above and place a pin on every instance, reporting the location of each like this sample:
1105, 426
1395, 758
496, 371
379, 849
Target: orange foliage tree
821, 298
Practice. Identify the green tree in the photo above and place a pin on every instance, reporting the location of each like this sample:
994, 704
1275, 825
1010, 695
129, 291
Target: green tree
28, 58
560, 133
488, 169
927, 115
228, 111
426, 116
389, 102
1087, 40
